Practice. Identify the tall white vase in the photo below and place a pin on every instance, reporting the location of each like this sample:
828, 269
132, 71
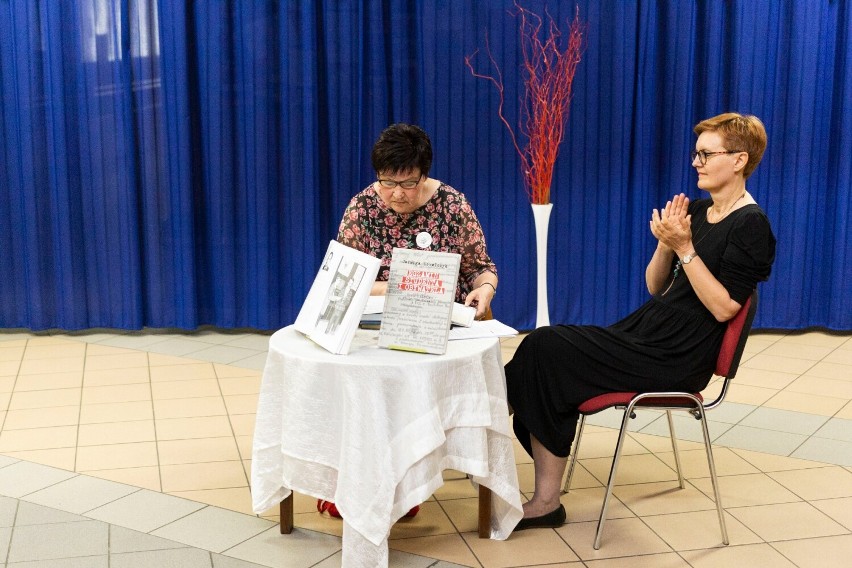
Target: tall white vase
541, 215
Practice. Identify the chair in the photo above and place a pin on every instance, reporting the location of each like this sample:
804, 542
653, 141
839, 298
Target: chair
727, 363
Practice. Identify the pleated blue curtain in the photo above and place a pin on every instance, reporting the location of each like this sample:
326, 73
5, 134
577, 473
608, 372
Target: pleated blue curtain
174, 164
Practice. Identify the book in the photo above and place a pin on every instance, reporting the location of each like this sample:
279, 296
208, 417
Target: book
331, 311
419, 303
372, 317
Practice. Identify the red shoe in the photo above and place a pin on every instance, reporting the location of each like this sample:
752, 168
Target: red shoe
330, 508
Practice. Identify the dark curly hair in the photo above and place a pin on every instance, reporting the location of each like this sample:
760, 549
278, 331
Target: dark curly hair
400, 148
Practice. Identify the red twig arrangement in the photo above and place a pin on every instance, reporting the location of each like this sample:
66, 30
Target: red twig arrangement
548, 75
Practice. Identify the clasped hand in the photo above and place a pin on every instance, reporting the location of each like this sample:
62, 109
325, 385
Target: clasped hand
672, 226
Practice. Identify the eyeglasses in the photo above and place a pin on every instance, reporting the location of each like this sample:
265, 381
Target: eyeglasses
407, 184
703, 155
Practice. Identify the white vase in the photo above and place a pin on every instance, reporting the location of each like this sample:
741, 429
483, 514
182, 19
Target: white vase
541, 215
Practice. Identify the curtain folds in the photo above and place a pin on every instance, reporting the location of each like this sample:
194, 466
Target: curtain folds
175, 164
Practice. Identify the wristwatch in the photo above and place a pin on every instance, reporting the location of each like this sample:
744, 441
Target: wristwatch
688, 258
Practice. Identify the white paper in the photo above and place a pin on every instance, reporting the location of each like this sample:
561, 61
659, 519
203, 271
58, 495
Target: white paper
485, 328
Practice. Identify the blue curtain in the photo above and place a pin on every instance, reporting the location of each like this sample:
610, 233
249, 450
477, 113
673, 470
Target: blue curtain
167, 163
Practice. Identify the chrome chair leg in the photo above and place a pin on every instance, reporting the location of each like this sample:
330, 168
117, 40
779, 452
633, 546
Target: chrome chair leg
674, 448
711, 463
574, 453
628, 412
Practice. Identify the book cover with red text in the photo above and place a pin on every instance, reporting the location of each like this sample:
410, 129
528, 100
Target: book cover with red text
419, 303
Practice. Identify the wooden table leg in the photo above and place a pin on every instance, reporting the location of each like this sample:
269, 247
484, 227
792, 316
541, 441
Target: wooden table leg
286, 510
484, 512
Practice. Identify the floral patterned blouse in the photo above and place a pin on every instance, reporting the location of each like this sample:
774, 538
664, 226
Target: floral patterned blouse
371, 226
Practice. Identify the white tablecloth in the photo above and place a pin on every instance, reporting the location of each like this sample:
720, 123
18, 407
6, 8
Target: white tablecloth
373, 430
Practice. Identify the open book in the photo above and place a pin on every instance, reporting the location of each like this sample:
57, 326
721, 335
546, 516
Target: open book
336, 300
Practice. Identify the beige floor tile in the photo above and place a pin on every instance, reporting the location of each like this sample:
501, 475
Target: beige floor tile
583, 505
243, 424
50, 340
144, 477
116, 433
116, 456
198, 476
44, 398
582, 478
838, 509
7, 384
117, 393
185, 389
240, 385
697, 530
11, 353
456, 489
49, 381
199, 427
313, 521
5, 398
241, 404
601, 444
57, 365
229, 371
845, 412
111, 377
662, 498
8, 368
63, 458
64, 351
190, 407
120, 361
38, 438
463, 513
748, 490
186, 372
233, 499
521, 455
820, 386
789, 349
38, 418
778, 363
244, 445
523, 548
746, 556
770, 462
841, 356
642, 468
818, 483
430, 521
747, 394
157, 360
787, 521
694, 462
447, 547
834, 371
7, 341
767, 379
116, 412
95, 349
621, 537
669, 560
830, 552
198, 450
808, 403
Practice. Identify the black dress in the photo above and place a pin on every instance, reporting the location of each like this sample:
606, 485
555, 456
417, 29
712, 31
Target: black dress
670, 343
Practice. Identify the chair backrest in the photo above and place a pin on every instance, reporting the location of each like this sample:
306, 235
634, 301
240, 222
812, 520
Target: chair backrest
736, 335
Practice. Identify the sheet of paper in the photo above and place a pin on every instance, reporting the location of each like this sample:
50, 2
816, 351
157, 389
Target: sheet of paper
486, 328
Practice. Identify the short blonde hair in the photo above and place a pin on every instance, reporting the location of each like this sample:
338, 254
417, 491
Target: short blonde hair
740, 133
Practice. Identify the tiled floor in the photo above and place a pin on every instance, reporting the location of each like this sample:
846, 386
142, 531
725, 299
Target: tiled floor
133, 449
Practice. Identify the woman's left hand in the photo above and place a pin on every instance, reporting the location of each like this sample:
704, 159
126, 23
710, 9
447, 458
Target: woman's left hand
672, 226
480, 298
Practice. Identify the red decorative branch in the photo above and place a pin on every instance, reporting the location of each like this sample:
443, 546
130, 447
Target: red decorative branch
548, 76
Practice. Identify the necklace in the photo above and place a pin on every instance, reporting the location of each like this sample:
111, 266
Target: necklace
679, 263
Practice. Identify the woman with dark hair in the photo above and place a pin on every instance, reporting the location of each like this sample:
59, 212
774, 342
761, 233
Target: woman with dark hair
710, 255
406, 208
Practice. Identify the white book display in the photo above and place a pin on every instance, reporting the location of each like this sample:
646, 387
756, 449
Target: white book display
336, 300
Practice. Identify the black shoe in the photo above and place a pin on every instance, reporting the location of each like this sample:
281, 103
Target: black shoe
554, 519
